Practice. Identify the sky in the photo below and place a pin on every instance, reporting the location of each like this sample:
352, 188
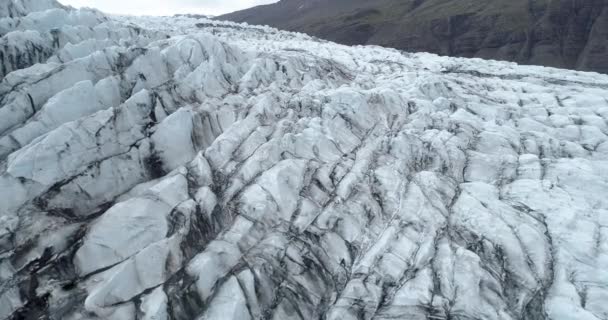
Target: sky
166, 7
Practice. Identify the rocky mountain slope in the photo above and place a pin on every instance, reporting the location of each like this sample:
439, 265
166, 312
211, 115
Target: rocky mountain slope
559, 33
180, 168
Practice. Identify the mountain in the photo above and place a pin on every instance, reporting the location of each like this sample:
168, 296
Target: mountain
559, 33
181, 168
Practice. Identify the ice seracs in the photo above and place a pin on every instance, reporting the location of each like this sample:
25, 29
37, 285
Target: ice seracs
18, 8
185, 168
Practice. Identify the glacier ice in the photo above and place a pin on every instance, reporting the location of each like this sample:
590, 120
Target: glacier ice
186, 168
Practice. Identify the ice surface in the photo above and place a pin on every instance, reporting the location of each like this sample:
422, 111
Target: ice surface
185, 168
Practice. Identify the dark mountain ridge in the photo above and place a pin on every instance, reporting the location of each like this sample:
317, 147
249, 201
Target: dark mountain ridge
569, 34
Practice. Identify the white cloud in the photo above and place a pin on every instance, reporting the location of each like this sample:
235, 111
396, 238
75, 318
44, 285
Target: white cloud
166, 7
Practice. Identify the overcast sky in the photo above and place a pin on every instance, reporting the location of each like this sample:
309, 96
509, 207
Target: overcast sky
166, 7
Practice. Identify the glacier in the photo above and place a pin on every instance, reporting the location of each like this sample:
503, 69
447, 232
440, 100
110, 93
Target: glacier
186, 168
